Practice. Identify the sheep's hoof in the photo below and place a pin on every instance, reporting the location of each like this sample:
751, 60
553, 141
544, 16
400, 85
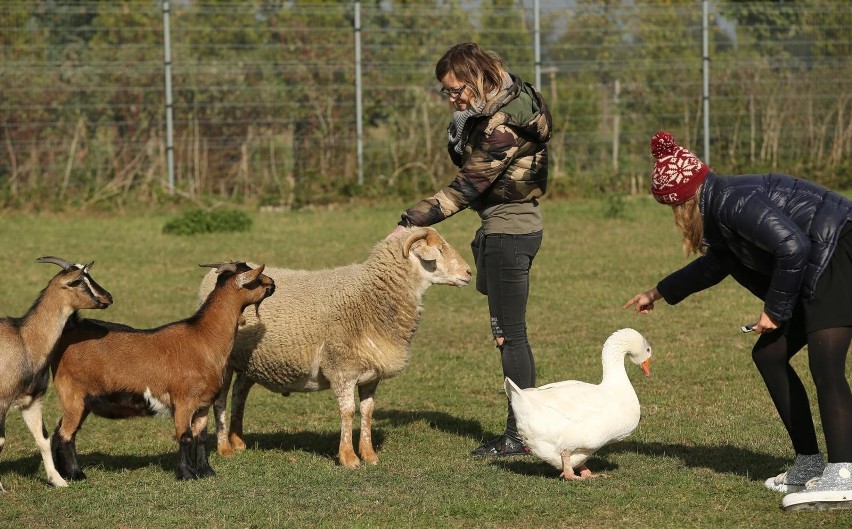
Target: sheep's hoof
370, 459
350, 462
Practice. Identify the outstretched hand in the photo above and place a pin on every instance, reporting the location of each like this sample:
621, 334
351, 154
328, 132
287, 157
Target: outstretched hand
644, 301
399, 229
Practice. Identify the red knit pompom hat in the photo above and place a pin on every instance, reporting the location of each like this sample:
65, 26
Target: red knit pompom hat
677, 172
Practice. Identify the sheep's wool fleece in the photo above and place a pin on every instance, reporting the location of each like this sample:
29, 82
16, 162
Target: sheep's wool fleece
312, 316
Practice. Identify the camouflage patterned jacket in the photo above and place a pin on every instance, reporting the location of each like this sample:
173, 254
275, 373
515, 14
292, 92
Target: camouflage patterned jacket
504, 160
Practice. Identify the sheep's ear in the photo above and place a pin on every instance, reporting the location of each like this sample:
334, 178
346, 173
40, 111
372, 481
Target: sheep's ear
413, 237
247, 277
425, 251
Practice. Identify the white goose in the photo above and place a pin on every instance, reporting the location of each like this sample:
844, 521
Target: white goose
564, 423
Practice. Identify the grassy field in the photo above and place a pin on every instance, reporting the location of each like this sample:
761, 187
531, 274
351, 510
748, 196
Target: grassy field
708, 437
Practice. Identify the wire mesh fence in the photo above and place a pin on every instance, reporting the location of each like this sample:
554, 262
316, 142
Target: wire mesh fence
265, 93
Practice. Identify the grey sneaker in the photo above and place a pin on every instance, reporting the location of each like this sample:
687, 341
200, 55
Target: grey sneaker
804, 468
832, 490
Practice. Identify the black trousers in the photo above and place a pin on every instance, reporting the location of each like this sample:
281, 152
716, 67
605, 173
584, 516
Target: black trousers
503, 263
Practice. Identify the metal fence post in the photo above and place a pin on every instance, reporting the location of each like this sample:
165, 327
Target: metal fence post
167, 62
359, 125
706, 89
537, 43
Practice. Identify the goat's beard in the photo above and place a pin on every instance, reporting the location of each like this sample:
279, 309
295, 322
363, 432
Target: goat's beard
257, 309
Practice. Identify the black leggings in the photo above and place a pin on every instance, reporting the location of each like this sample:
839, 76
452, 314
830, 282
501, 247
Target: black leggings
504, 262
827, 349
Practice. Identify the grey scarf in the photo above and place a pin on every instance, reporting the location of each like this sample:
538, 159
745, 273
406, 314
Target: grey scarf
460, 117
456, 127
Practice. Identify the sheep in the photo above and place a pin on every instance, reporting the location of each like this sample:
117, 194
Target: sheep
116, 371
26, 344
337, 329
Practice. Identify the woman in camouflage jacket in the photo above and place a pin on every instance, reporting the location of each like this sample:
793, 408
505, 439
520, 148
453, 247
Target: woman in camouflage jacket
498, 139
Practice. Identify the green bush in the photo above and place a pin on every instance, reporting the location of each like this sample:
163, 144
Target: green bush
201, 221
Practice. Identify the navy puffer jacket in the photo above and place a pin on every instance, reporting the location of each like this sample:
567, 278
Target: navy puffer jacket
773, 233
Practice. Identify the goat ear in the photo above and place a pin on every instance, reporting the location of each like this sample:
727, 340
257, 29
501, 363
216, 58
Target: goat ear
74, 275
247, 277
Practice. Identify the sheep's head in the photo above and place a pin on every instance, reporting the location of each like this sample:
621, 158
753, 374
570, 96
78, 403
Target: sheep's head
79, 290
252, 282
439, 261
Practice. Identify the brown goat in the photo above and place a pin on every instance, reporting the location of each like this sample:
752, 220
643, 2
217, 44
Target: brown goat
116, 371
26, 343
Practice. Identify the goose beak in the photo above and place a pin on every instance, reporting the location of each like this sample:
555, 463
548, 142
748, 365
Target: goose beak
646, 367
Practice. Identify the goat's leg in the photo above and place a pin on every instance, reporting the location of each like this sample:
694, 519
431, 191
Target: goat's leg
183, 433
365, 440
33, 418
223, 445
199, 434
63, 443
239, 394
345, 393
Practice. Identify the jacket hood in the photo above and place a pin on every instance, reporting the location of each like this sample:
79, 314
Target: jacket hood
522, 108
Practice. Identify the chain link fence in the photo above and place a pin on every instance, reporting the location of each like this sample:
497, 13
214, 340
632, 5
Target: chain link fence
264, 94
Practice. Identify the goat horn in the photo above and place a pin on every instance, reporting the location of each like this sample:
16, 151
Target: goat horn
222, 267
59, 261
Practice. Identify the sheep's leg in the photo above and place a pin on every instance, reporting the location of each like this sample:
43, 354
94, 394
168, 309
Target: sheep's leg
239, 394
223, 446
2, 437
199, 433
345, 393
33, 418
365, 440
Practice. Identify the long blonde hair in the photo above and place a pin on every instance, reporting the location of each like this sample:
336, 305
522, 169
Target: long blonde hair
480, 70
687, 216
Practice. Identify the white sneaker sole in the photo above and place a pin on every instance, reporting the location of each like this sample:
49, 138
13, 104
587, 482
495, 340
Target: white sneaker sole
817, 500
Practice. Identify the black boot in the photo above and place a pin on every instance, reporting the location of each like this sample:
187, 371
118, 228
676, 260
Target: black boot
502, 445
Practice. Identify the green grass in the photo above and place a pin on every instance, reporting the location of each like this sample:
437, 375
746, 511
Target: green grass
708, 438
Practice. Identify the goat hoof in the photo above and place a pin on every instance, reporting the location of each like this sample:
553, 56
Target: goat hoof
236, 442
76, 475
186, 474
58, 482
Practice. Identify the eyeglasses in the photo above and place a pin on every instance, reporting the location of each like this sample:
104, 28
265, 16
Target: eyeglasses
454, 93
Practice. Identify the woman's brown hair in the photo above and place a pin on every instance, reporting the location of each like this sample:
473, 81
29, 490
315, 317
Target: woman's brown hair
478, 69
687, 217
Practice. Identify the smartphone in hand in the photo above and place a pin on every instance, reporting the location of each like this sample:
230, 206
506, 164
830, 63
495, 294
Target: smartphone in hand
748, 328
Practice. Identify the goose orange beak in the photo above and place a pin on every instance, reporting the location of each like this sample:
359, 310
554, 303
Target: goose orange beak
646, 367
